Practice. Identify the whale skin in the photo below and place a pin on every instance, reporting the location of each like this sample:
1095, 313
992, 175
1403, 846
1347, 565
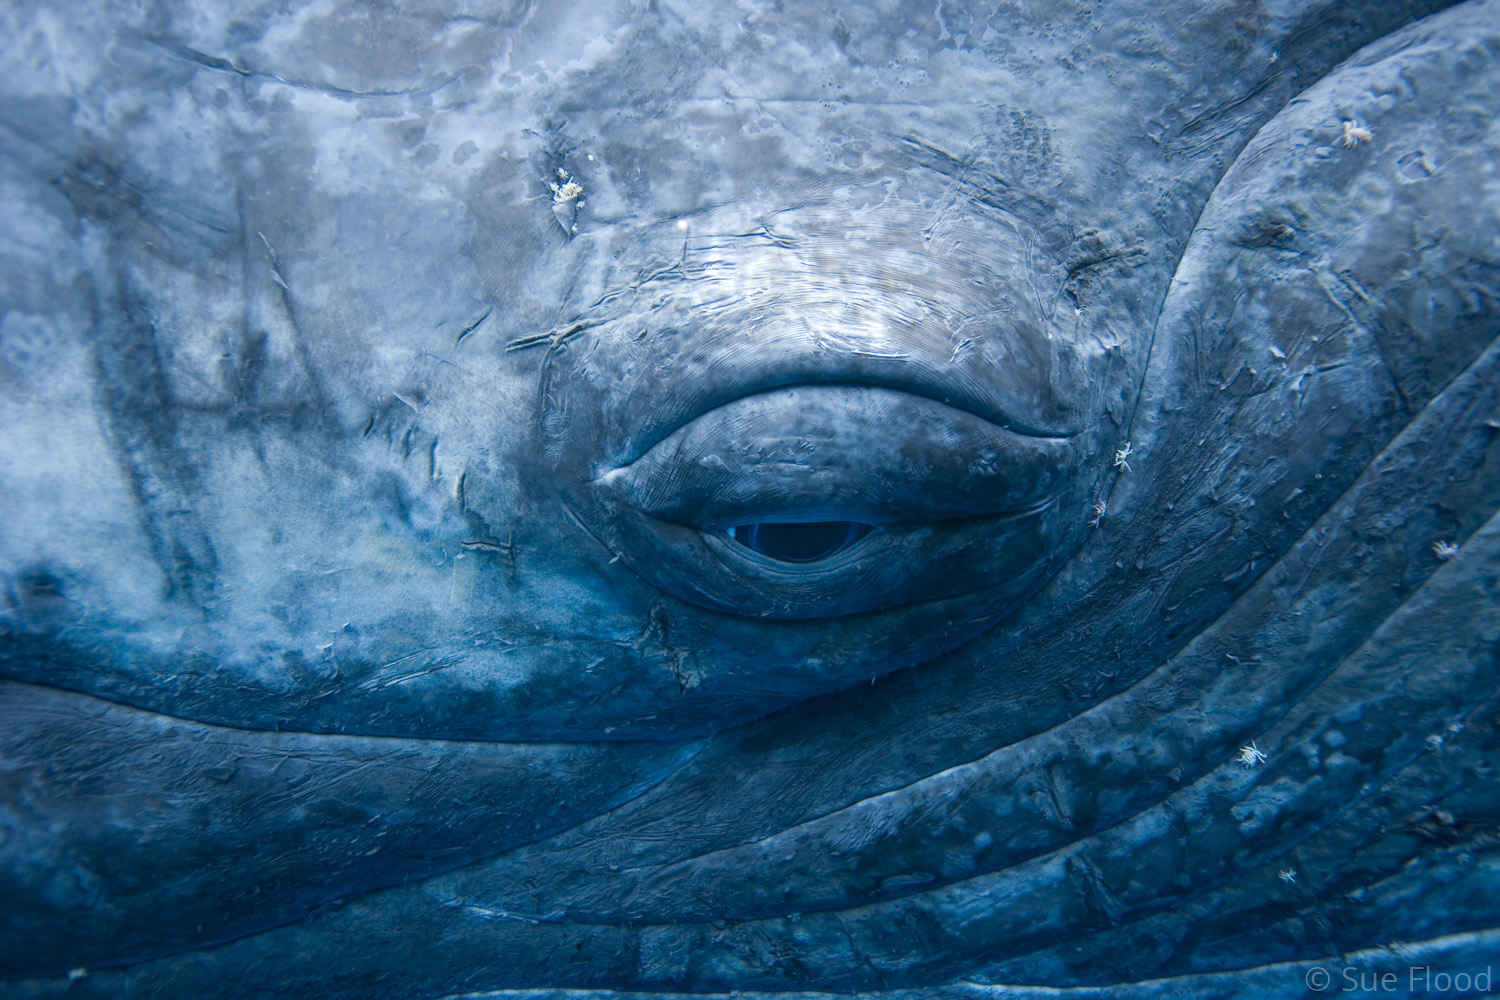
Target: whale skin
769, 499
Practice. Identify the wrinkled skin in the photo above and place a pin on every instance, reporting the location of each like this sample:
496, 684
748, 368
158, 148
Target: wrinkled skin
414, 421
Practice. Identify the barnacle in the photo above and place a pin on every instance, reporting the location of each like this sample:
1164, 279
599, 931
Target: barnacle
1355, 133
1250, 755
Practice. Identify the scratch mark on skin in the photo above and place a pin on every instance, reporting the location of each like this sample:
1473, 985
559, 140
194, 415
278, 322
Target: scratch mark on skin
391, 682
963, 175
507, 549
299, 340
1064, 814
554, 339
1338, 303
471, 328
784, 242
761, 105
486, 912
768, 102
1030, 272
275, 264
402, 659
1106, 257
1371, 326
224, 65
1212, 120
429, 354
458, 491
677, 270
1102, 896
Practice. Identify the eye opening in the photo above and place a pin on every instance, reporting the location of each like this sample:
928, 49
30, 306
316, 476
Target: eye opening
823, 501
799, 541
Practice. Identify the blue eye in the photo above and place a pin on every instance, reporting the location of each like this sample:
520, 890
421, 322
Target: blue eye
799, 542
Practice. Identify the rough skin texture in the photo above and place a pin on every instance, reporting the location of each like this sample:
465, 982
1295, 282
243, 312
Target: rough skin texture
389, 393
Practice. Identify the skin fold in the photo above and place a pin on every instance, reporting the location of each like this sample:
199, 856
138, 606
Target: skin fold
406, 409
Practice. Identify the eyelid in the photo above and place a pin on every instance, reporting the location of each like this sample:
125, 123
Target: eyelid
713, 376
837, 453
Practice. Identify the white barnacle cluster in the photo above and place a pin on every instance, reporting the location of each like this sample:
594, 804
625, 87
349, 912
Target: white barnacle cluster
1356, 132
1444, 550
565, 190
567, 199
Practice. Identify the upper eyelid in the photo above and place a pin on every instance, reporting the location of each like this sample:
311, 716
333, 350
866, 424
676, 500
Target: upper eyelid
976, 467
958, 396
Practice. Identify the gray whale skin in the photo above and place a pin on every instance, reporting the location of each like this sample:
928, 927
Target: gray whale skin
902, 500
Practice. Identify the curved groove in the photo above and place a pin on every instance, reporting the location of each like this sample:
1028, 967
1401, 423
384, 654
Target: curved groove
1209, 904
1246, 139
24, 657
1450, 572
188, 720
347, 897
183, 791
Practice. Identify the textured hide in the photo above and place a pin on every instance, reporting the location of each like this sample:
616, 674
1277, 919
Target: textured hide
928, 500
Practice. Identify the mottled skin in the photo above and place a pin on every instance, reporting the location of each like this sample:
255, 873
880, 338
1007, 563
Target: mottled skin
383, 388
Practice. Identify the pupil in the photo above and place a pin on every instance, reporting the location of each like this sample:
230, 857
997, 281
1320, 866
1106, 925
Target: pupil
799, 541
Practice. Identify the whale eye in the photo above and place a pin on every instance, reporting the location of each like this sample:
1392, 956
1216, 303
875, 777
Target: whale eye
799, 541
826, 500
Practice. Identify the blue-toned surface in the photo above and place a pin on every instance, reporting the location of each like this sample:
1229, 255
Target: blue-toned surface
909, 500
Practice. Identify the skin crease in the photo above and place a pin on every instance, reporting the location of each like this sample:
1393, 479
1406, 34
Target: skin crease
384, 385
